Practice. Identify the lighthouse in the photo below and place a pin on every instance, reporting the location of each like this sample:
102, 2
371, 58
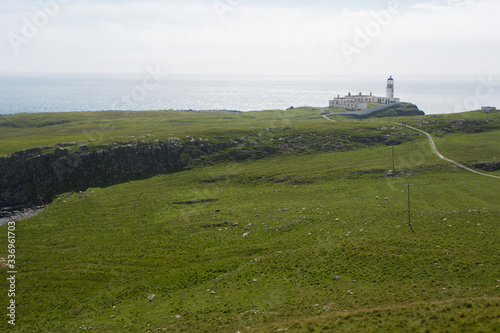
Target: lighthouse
390, 88
355, 102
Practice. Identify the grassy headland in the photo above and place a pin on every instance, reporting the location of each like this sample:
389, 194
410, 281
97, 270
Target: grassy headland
307, 233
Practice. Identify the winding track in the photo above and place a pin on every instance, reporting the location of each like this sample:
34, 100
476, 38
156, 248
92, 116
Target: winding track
433, 146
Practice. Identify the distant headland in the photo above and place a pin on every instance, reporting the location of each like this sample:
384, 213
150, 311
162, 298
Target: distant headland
364, 106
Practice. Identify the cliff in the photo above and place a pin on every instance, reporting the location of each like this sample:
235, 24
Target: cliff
34, 176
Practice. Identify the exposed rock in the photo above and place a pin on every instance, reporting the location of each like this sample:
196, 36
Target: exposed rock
34, 176
28, 177
215, 225
404, 173
14, 214
191, 202
59, 152
66, 144
488, 166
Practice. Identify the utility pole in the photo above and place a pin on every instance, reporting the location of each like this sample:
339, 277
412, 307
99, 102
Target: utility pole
409, 212
393, 164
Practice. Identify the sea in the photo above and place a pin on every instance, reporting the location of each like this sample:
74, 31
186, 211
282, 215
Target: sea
153, 91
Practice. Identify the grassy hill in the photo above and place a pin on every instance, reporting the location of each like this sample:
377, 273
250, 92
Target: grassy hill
309, 236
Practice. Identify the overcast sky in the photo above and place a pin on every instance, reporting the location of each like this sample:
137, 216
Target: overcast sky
313, 37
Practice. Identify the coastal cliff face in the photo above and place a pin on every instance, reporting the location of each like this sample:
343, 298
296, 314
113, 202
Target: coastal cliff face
34, 176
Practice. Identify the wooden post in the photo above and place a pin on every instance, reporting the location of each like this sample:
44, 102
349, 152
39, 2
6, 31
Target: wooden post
409, 211
393, 164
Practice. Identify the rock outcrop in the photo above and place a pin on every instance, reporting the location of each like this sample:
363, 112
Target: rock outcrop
488, 166
32, 177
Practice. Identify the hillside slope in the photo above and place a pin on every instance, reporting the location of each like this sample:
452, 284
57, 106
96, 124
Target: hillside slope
310, 236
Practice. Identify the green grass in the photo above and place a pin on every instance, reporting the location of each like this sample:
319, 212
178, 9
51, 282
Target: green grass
471, 148
322, 254
22, 131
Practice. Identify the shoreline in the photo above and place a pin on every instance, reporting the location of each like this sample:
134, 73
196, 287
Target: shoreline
17, 214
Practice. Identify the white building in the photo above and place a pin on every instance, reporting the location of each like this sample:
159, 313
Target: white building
360, 102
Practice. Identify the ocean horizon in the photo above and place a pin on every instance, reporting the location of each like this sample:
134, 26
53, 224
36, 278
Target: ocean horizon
152, 91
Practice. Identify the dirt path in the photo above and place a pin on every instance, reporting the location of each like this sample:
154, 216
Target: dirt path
433, 146
329, 119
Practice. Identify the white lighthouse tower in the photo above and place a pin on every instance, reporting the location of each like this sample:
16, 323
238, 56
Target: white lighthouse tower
390, 88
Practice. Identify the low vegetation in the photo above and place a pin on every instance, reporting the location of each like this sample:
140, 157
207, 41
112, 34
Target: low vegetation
311, 235
399, 110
